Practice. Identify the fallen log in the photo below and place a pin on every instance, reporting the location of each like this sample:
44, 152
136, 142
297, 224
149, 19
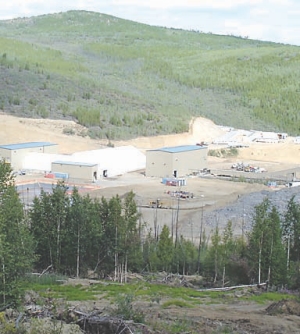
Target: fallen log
228, 288
45, 270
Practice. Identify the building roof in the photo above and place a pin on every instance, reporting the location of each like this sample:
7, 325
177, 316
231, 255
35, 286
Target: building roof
178, 149
26, 145
74, 163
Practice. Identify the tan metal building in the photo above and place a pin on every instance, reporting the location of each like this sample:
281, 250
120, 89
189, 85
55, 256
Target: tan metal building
176, 161
80, 171
15, 153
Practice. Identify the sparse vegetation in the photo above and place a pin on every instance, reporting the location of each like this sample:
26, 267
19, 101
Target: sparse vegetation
224, 152
69, 131
126, 310
179, 303
128, 79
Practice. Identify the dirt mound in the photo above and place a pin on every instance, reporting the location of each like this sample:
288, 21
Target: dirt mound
200, 130
291, 307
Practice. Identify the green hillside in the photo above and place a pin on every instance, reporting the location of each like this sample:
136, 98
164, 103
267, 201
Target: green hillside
124, 79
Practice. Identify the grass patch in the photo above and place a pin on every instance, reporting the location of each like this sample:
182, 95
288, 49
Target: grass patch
54, 290
176, 302
178, 296
270, 297
69, 293
178, 326
49, 279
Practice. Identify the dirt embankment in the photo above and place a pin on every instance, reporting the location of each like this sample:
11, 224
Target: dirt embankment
17, 130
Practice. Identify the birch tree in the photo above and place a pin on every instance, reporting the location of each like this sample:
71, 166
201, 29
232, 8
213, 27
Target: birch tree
131, 237
83, 233
266, 253
291, 238
226, 248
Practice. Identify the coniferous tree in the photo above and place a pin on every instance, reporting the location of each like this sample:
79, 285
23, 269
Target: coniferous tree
16, 247
276, 253
150, 258
131, 240
165, 249
106, 245
185, 257
237, 268
48, 226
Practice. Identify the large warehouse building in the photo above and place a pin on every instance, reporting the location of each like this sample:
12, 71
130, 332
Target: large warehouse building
15, 153
87, 166
176, 161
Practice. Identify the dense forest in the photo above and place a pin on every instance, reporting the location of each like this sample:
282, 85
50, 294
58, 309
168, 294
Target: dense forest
123, 79
75, 234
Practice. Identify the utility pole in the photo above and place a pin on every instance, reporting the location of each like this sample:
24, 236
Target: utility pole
177, 220
200, 236
172, 221
243, 221
155, 221
192, 231
177, 215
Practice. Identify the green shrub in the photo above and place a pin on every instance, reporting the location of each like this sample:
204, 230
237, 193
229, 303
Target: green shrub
125, 309
214, 153
176, 302
68, 131
224, 152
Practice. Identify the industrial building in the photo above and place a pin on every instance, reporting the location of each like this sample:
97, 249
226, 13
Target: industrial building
14, 154
176, 161
80, 171
105, 162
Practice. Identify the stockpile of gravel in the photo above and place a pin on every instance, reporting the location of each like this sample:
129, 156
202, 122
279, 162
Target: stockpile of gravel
241, 212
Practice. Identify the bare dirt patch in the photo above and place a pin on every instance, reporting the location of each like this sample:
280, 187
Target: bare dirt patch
285, 307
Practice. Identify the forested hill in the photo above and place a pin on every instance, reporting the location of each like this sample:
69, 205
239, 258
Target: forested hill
124, 79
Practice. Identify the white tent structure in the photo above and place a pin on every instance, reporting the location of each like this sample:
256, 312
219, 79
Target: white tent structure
114, 161
110, 161
41, 162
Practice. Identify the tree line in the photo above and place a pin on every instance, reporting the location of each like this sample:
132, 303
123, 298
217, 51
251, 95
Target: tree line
74, 234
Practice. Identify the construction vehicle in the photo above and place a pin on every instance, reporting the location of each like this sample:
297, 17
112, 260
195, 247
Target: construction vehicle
156, 204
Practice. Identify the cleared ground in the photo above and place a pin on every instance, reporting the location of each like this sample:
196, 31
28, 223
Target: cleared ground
183, 215
211, 196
